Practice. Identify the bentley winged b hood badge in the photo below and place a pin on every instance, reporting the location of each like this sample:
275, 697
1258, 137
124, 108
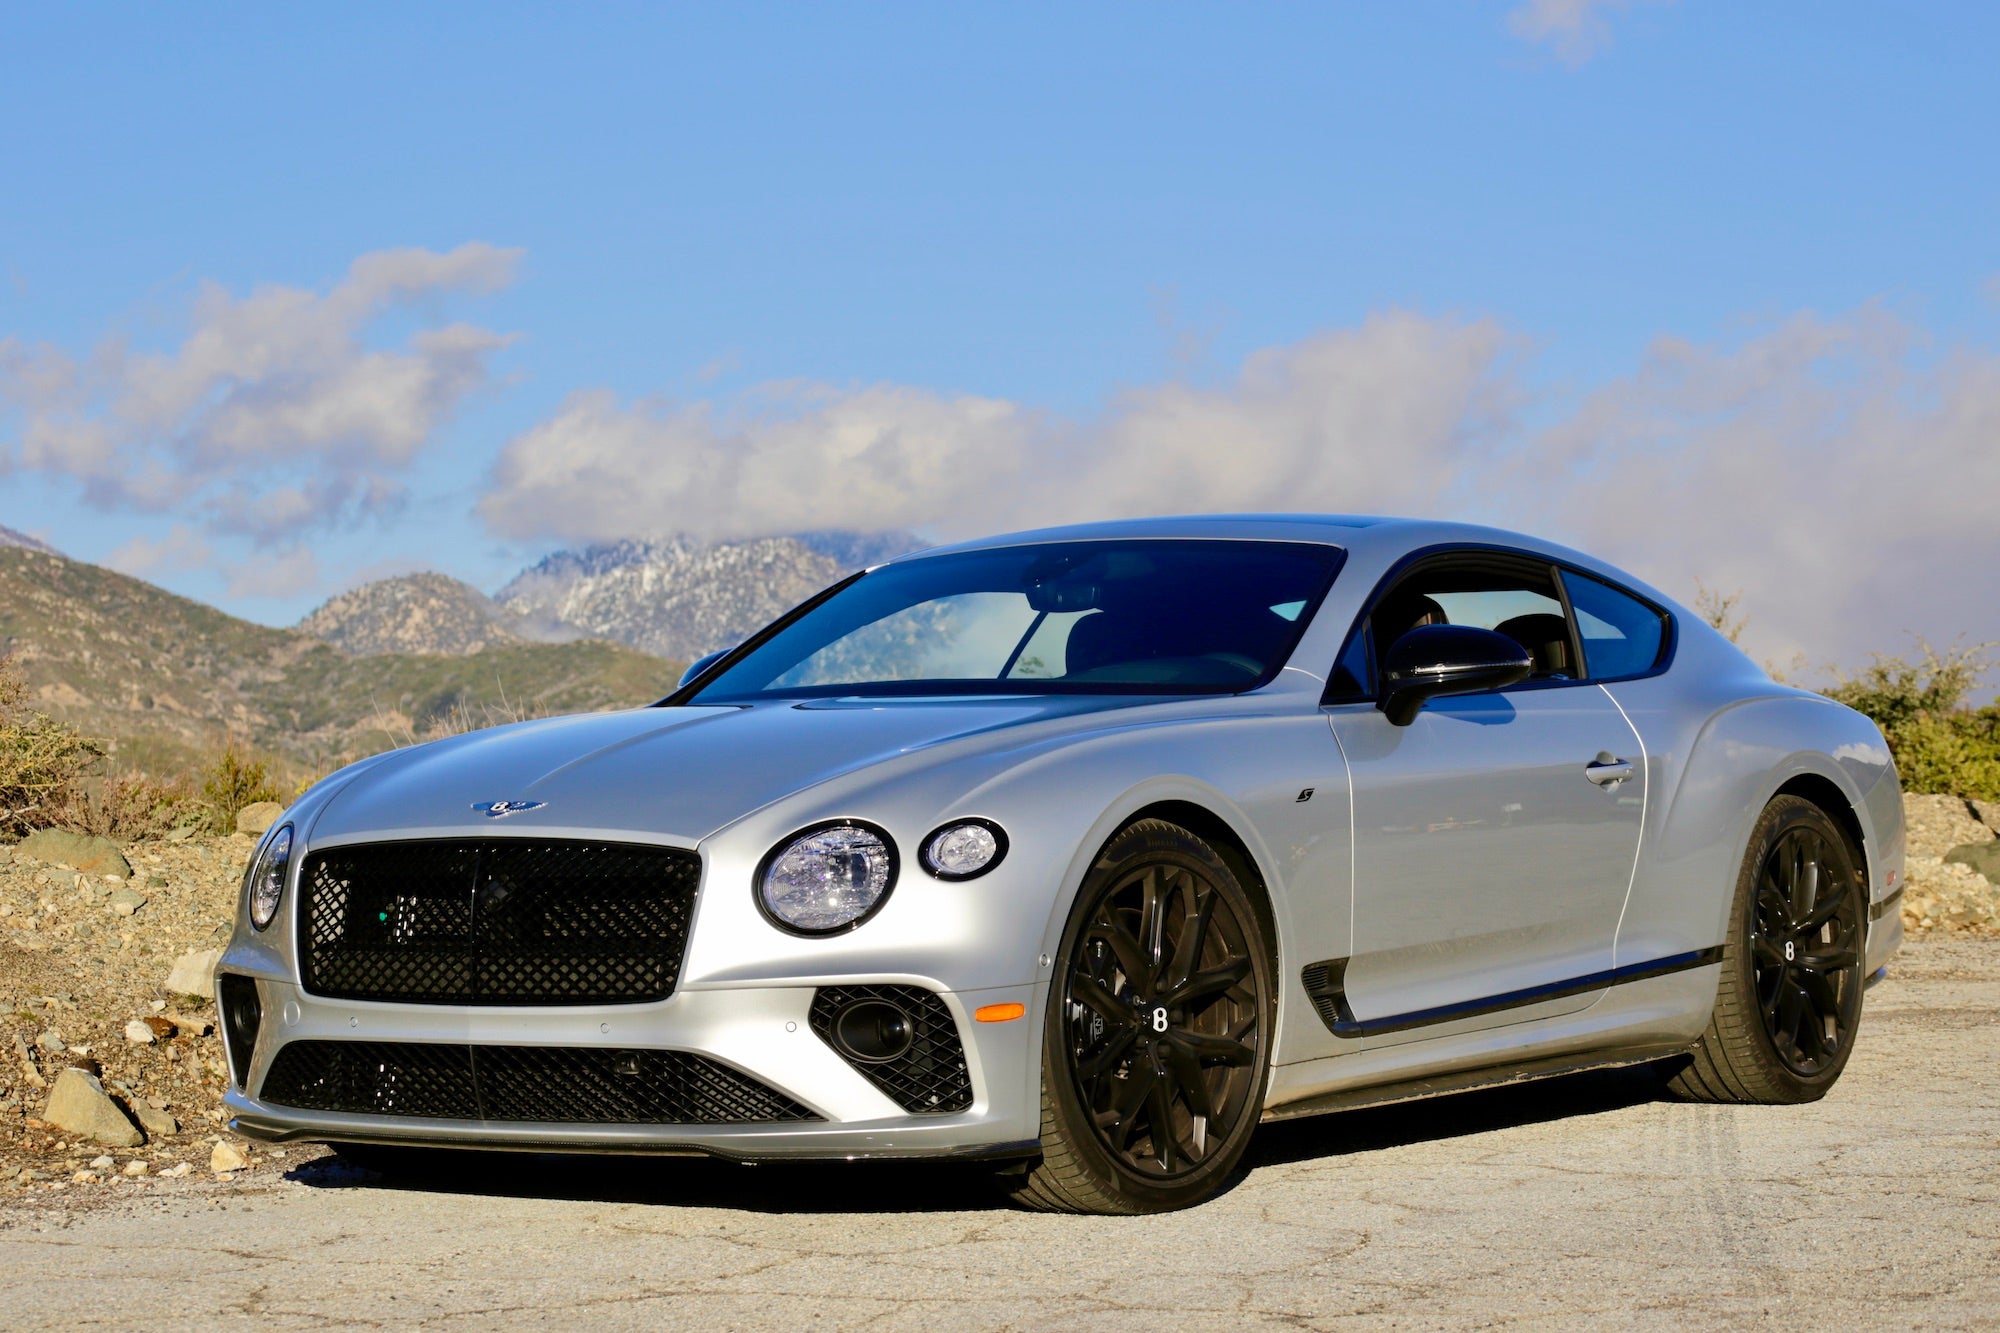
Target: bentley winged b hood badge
495, 809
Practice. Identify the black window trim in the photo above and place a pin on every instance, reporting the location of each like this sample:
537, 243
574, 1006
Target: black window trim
1669, 635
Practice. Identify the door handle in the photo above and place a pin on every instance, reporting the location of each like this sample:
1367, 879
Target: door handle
1607, 772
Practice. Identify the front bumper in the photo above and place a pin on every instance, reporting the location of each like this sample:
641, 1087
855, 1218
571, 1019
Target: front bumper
763, 1031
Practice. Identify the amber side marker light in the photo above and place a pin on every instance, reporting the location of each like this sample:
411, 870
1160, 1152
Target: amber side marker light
999, 1013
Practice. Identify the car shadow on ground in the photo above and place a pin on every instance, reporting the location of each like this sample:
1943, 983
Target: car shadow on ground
924, 1187
1401, 1124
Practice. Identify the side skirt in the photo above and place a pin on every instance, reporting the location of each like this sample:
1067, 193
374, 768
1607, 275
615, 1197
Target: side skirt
1471, 1080
1326, 984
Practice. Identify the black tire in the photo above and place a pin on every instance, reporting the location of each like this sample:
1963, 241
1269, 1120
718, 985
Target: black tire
1174, 1033
1789, 1001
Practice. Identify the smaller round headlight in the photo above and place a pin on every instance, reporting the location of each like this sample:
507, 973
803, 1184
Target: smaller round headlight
964, 849
827, 878
266, 880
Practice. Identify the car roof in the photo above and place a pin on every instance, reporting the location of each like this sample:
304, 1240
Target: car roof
1359, 534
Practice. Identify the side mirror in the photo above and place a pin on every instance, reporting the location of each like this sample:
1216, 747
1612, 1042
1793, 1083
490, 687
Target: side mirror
701, 664
1432, 661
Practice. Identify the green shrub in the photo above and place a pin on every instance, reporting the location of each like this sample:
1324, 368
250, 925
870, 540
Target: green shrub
234, 780
1919, 702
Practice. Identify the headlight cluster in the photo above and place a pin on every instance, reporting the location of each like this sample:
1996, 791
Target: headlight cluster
964, 849
834, 876
828, 878
264, 884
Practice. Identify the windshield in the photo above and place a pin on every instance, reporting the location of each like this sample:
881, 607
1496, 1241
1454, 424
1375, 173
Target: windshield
1088, 617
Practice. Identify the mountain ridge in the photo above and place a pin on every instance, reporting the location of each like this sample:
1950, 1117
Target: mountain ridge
171, 677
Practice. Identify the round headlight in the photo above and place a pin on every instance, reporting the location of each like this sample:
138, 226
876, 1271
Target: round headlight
266, 880
828, 878
963, 849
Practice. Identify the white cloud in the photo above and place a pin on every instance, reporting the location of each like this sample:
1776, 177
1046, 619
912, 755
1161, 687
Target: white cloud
1834, 470
182, 548
1575, 30
1372, 417
275, 413
283, 573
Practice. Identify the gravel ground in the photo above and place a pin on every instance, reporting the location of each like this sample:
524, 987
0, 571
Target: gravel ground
1572, 1203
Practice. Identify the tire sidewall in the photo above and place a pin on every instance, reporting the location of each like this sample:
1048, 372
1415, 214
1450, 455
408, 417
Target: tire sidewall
1154, 840
1780, 817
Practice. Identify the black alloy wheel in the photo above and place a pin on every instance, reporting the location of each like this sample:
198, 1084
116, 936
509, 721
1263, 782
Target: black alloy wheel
1788, 1003
1159, 1031
1805, 947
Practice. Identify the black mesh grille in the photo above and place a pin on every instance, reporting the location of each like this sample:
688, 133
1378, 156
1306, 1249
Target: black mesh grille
931, 1076
499, 921
521, 1084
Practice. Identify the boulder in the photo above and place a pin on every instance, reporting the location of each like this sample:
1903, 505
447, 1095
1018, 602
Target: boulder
194, 974
80, 1105
255, 819
1982, 857
93, 856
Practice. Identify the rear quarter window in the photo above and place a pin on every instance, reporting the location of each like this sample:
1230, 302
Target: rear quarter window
1622, 636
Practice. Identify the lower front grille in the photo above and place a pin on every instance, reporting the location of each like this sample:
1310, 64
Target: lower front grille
929, 1076
575, 1085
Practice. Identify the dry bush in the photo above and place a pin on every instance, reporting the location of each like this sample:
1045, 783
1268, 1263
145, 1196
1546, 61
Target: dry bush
131, 805
41, 759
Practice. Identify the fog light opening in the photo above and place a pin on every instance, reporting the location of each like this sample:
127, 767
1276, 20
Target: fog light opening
873, 1031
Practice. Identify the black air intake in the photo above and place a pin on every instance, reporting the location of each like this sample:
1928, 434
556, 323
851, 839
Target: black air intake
900, 1038
574, 1085
242, 1015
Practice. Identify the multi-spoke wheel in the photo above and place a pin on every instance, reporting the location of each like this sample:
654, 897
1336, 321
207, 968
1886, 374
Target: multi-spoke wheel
1789, 1000
1158, 1034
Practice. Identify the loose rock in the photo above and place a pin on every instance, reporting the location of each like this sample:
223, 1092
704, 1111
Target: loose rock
255, 819
155, 1120
127, 901
51, 1041
194, 974
80, 1105
139, 1033
226, 1157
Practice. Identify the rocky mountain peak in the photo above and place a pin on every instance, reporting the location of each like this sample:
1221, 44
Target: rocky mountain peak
422, 613
680, 597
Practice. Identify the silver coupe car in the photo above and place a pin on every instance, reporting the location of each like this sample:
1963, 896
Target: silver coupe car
1082, 852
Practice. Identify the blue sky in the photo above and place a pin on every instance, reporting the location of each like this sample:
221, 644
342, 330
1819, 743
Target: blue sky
1623, 273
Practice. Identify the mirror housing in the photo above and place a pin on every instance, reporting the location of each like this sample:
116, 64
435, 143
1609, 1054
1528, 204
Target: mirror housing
1432, 661
701, 664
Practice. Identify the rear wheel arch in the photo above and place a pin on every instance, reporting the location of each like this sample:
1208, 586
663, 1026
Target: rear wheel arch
1825, 793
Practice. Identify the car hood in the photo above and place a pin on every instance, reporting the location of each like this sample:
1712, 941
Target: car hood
680, 773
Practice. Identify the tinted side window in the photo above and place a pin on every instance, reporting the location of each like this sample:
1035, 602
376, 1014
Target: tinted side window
1622, 636
1514, 595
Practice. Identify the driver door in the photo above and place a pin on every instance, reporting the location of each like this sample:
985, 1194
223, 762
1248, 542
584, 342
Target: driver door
1491, 855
